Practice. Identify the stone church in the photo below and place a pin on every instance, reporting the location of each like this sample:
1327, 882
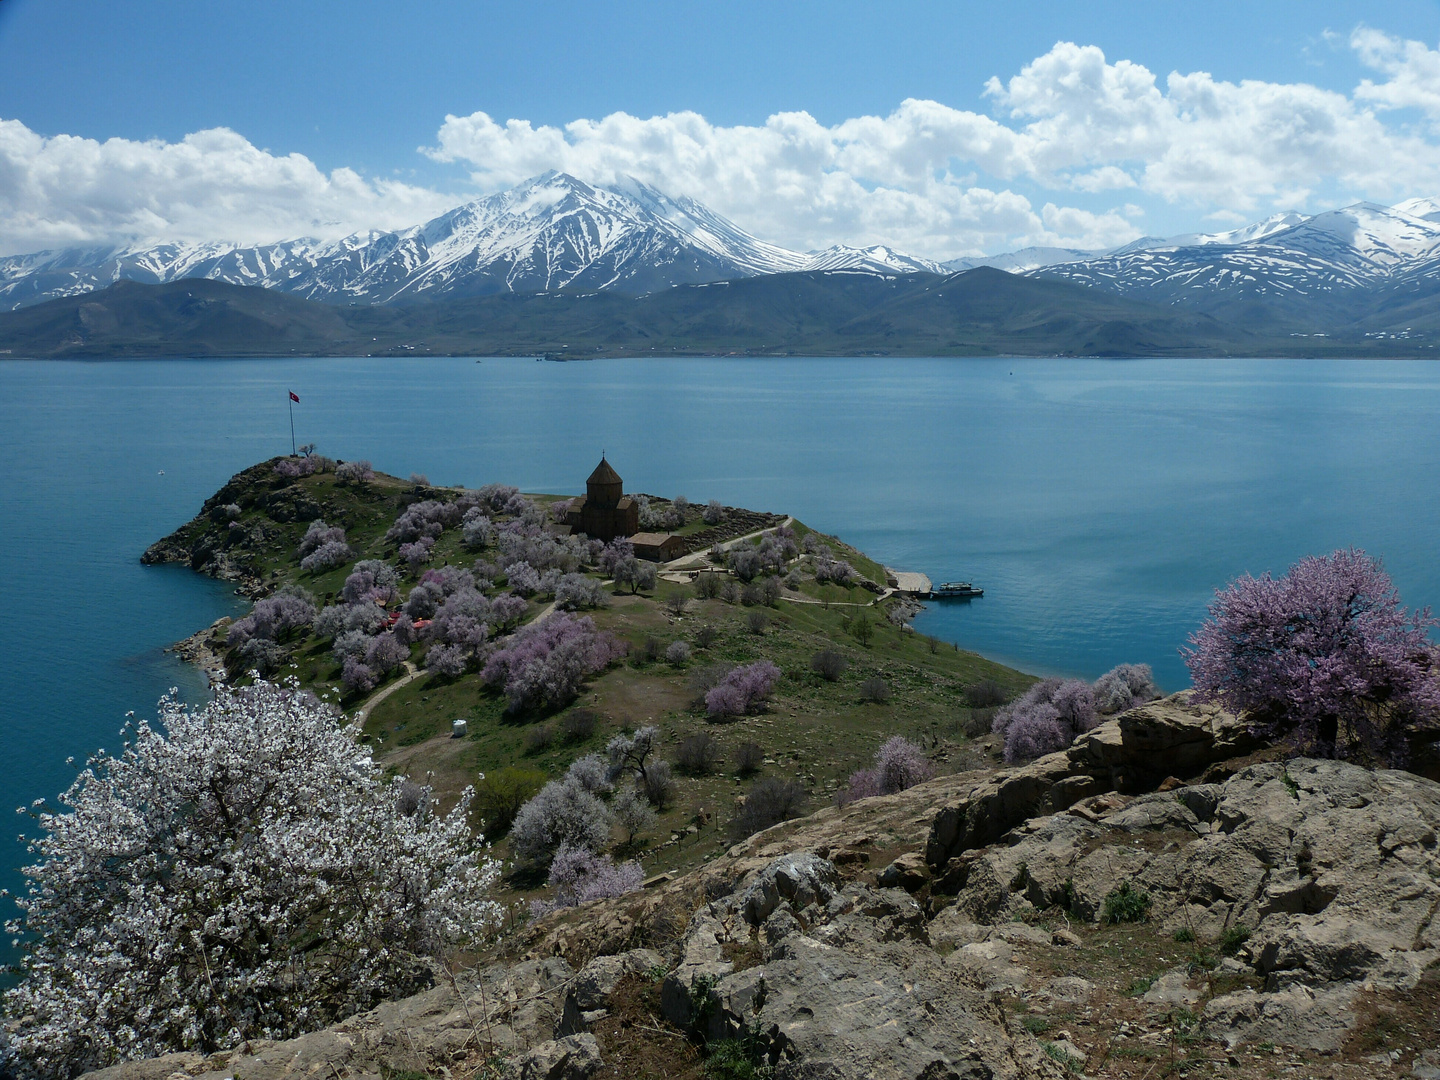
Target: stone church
604, 511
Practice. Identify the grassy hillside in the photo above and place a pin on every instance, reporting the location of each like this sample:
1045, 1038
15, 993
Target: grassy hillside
814, 730
975, 313
194, 318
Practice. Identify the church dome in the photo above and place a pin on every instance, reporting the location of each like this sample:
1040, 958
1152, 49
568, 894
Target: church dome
604, 474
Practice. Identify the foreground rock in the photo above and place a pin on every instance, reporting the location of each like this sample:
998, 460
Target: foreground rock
928, 934
848, 985
1323, 876
831, 979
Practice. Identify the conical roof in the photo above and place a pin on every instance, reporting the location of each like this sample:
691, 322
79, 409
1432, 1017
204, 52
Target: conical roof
604, 474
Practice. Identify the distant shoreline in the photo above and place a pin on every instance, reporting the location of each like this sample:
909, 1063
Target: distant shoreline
979, 313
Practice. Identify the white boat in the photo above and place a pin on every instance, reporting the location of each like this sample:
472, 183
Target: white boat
958, 589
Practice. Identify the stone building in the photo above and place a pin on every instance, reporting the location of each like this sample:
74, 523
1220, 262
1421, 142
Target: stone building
657, 547
604, 511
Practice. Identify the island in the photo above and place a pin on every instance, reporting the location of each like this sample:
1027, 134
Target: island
700, 591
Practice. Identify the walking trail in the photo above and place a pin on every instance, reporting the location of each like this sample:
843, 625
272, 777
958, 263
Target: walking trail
697, 558
411, 674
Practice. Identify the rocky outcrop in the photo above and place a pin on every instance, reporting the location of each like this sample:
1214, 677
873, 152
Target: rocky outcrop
574, 1057
509, 1012
1134, 752
588, 999
848, 985
205, 650
1325, 876
823, 977
214, 545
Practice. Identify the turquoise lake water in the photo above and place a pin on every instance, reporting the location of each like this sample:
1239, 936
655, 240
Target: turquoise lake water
1098, 503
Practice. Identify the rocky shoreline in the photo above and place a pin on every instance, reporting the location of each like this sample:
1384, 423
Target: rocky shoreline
203, 649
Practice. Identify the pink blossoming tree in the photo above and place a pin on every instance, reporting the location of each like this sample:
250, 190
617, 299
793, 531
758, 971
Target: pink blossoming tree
1325, 657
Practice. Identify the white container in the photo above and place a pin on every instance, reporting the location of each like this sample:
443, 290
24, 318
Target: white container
458, 729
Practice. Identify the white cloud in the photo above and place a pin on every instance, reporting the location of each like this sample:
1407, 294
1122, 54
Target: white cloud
1070, 121
1105, 178
868, 180
1412, 67
1206, 142
212, 185
1082, 229
928, 177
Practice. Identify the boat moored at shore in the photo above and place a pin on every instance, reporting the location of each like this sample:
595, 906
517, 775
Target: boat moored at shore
955, 590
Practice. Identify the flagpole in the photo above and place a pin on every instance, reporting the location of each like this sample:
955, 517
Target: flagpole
290, 401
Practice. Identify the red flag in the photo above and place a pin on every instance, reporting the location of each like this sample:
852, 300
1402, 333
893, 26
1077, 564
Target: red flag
294, 396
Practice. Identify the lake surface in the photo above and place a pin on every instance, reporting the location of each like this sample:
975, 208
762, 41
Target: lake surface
1098, 503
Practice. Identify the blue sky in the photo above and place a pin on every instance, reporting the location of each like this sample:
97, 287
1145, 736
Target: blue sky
335, 114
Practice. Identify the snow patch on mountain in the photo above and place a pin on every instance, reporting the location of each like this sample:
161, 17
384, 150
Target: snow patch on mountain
878, 260
550, 232
1315, 265
1018, 262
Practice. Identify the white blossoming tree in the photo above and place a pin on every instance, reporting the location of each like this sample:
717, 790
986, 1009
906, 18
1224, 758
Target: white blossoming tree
240, 871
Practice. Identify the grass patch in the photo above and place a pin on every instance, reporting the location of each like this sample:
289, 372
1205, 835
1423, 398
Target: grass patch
1141, 986
737, 1059
1058, 1053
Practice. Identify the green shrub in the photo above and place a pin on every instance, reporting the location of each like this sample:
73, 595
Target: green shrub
1231, 940
1184, 935
985, 694
500, 795
861, 629
1058, 1053
578, 725
737, 1059
1201, 960
1126, 904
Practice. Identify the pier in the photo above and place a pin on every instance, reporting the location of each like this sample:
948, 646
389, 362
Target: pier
920, 587
902, 581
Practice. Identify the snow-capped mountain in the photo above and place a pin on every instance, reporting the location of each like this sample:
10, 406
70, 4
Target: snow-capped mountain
555, 232
1031, 258
874, 260
1311, 265
551, 232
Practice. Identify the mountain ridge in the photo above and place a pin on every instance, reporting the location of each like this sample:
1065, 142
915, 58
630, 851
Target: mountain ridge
548, 233
1318, 273
1360, 267
822, 313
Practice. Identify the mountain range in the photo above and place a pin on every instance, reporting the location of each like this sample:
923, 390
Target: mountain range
1357, 275
1363, 268
976, 312
552, 232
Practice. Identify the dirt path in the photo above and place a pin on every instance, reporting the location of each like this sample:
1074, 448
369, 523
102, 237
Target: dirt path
837, 603
411, 674
697, 558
